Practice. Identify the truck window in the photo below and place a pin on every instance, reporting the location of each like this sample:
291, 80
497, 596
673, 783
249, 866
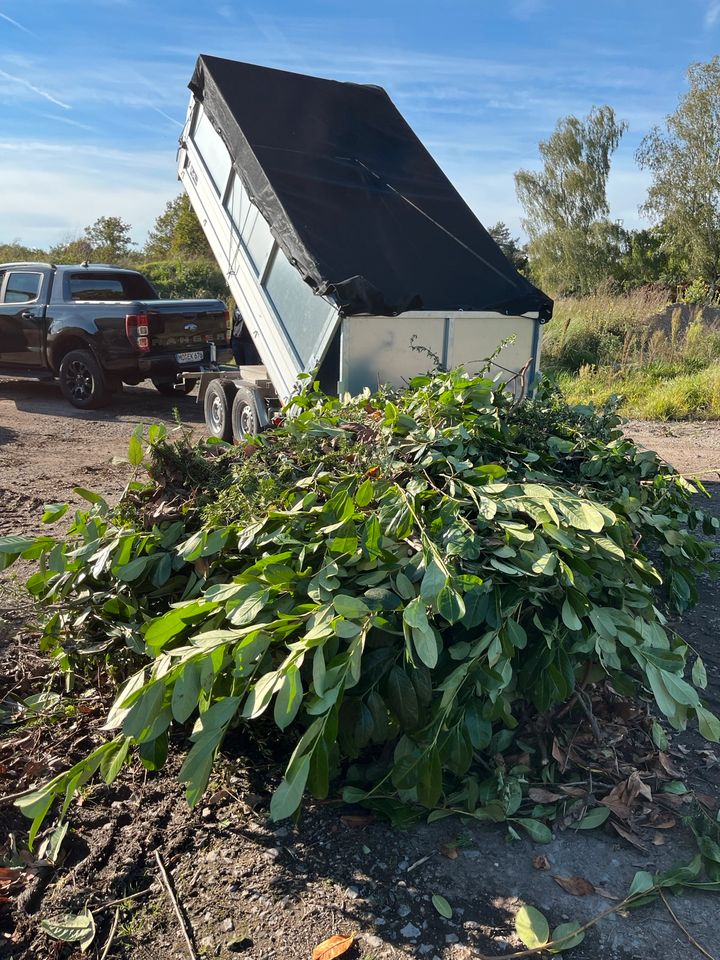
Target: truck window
22, 287
109, 286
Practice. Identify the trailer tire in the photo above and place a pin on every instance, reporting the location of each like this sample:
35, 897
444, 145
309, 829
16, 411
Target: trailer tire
217, 405
83, 381
245, 416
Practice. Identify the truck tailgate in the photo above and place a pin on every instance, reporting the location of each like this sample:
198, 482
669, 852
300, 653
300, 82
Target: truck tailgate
183, 326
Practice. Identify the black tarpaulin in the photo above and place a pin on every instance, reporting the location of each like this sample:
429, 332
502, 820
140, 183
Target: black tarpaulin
352, 196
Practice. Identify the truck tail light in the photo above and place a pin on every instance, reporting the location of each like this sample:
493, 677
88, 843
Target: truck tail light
228, 327
137, 329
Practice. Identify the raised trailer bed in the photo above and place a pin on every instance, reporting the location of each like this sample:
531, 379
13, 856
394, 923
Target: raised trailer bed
347, 250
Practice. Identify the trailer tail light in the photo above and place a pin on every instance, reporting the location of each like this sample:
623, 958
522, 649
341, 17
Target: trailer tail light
137, 329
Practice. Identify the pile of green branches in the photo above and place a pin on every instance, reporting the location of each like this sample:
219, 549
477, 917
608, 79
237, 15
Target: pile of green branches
410, 583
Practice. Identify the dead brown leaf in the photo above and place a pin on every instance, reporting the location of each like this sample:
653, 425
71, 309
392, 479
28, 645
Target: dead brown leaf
658, 840
602, 892
449, 851
357, 820
333, 947
541, 862
577, 886
540, 795
623, 795
574, 792
627, 835
668, 766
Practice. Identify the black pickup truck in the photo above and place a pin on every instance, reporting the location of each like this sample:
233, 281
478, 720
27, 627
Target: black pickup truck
95, 327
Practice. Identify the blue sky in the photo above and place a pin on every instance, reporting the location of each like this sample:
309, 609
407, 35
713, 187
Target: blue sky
93, 95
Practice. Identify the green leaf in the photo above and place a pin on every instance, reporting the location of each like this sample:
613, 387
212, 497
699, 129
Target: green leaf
659, 736
72, 928
53, 512
642, 882
449, 604
699, 674
532, 927
351, 607
364, 493
709, 724
186, 692
442, 906
288, 795
425, 644
402, 699
289, 698
569, 617
572, 931
433, 581
595, 818
135, 450
538, 831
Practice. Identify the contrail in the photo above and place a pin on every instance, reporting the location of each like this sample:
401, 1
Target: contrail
166, 115
4, 16
37, 90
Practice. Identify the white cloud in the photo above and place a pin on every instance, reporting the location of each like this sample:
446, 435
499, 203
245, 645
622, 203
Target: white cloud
712, 13
51, 192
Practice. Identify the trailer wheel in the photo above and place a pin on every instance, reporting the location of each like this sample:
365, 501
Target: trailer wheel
217, 406
83, 381
245, 417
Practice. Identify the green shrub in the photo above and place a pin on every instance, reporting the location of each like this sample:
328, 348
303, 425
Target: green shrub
187, 279
437, 572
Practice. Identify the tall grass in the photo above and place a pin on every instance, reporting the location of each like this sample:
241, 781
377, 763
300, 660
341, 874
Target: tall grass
663, 359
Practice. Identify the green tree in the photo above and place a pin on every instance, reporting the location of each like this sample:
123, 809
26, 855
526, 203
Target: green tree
573, 245
510, 246
71, 250
177, 234
683, 161
17, 252
109, 239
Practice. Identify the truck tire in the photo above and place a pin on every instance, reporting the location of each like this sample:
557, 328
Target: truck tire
217, 406
245, 416
170, 388
83, 381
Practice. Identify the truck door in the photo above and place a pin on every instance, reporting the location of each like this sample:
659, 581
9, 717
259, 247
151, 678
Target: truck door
21, 318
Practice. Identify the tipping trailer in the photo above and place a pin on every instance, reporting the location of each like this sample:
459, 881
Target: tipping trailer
344, 245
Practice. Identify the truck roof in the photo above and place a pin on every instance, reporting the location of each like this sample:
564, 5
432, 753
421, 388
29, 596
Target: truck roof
64, 267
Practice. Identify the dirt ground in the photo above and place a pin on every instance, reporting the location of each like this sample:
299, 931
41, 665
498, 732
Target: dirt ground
246, 886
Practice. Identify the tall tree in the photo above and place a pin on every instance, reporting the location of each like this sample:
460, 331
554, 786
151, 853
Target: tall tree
510, 246
683, 160
177, 234
573, 244
109, 239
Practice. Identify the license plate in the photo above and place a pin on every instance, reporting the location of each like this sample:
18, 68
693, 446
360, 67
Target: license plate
194, 356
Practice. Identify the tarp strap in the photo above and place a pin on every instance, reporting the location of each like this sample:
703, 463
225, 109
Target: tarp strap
427, 216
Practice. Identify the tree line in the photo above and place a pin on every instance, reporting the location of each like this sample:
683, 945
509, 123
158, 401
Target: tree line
573, 247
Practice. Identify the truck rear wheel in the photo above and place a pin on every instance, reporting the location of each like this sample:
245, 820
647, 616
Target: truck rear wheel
245, 416
217, 406
83, 381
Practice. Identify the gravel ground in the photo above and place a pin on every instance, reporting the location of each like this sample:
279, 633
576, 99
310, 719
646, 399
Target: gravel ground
248, 887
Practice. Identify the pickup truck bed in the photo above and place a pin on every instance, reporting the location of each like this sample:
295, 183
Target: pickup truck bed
96, 327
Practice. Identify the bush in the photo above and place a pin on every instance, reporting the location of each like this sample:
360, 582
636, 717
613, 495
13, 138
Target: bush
412, 587
187, 279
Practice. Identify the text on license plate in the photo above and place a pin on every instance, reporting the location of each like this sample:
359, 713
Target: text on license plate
194, 356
